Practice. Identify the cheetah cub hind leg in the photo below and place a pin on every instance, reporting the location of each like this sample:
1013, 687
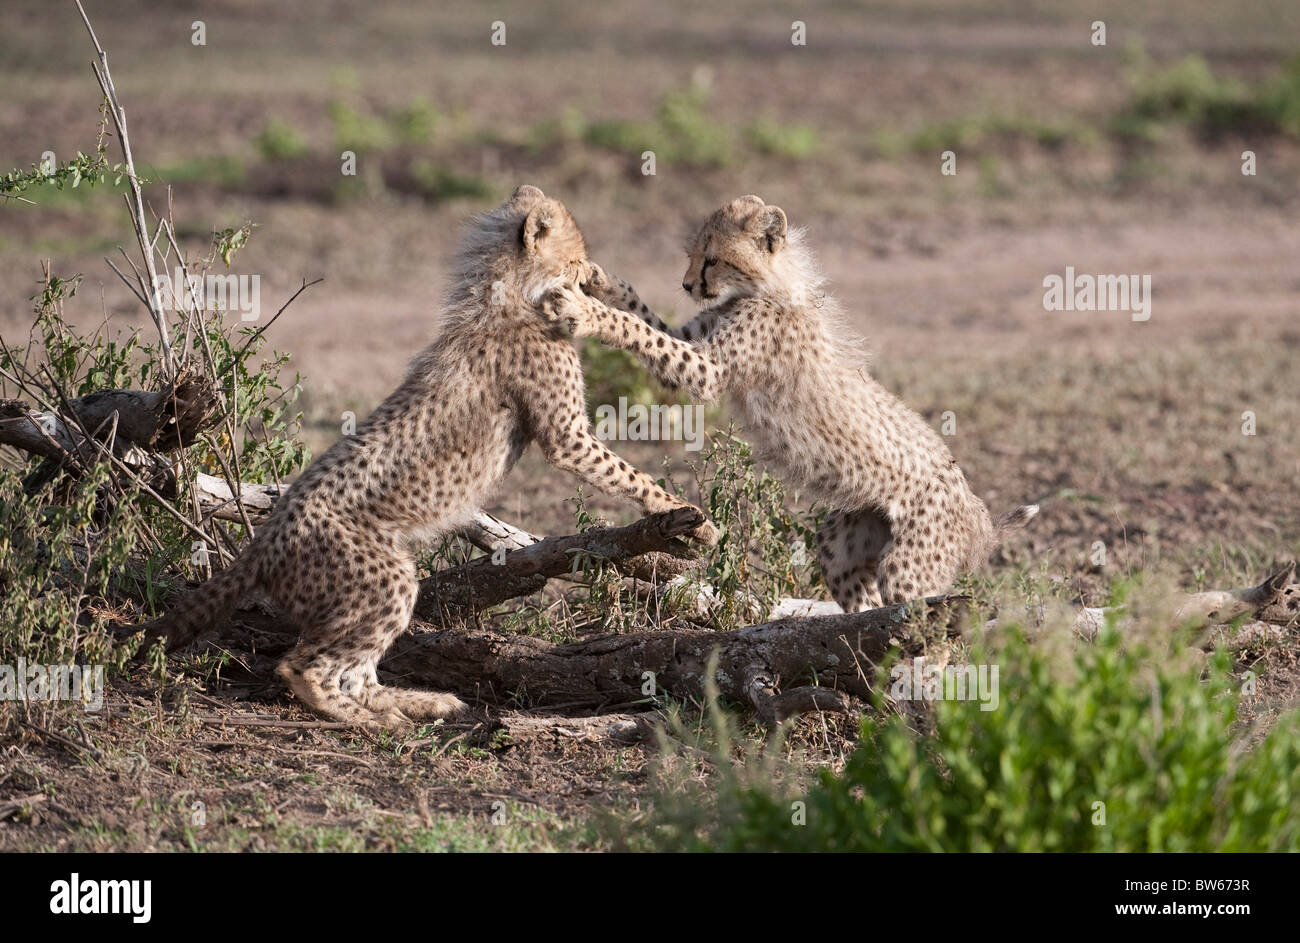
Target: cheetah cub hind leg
333, 668
316, 683
849, 547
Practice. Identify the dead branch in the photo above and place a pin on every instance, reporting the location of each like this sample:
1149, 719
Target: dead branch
773, 707
1275, 600
502, 575
160, 421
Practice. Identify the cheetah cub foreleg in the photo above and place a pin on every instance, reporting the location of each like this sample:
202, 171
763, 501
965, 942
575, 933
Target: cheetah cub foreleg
672, 361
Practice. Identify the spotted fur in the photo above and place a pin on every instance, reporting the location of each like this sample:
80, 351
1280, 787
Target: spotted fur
335, 555
904, 522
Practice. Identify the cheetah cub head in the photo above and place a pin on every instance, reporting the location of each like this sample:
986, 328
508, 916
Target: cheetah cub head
742, 249
551, 250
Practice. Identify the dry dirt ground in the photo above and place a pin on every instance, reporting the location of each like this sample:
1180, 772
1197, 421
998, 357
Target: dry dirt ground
1127, 433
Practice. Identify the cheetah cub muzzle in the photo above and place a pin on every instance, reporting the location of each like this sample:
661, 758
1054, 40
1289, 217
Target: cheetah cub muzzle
904, 521
335, 555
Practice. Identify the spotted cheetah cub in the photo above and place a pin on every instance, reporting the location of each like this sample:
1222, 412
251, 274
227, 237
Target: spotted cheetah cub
335, 554
904, 521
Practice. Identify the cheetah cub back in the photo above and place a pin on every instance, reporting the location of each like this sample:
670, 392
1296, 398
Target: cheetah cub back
335, 555
904, 521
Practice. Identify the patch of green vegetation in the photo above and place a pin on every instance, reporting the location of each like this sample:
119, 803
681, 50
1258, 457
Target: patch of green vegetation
414, 122
682, 131
357, 127
616, 134
438, 182
613, 374
766, 550
357, 130
279, 141
491, 825
88, 546
223, 170
795, 141
1188, 92
569, 128
889, 144
973, 132
1119, 745
66, 245
694, 137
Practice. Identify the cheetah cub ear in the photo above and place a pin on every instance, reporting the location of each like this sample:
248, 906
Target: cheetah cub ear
768, 227
537, 224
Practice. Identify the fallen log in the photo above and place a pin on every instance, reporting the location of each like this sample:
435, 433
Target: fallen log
838, 653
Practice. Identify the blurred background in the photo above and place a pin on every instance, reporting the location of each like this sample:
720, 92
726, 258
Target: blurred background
1122, 158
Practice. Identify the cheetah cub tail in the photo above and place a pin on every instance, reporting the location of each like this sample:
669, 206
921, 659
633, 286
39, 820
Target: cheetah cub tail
1015, 520
205, 605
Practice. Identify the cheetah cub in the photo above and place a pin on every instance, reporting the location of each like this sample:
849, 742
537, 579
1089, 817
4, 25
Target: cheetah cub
904, 522
335, 554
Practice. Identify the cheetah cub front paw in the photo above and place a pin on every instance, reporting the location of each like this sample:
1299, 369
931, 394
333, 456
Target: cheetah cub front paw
566, 307
596, 283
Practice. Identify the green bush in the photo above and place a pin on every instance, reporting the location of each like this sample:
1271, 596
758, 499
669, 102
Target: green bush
441, 183
278, 141
414, 122
765, 550
695, 137
683, 131
1148, 735
1188, 92
357, 130
1184, 91
78, 552
1280, 99
782, 140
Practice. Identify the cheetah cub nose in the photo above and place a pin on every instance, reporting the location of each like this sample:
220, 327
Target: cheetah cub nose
687, 286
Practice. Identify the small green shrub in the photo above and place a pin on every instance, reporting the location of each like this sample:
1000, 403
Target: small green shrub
357, 130
1118, 747
1279, 99
414, 122
437, 182
279, 141
766, 550
1181, 92
225, 170
682, 131
695, 137
80, 551
1188, 92
793, 141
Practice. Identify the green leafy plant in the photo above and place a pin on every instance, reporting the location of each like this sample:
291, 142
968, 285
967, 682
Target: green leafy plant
766, 550
1119, 745
279, 141
88, 169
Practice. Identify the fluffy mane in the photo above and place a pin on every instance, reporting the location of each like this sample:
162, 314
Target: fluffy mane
485, 253
796, 266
